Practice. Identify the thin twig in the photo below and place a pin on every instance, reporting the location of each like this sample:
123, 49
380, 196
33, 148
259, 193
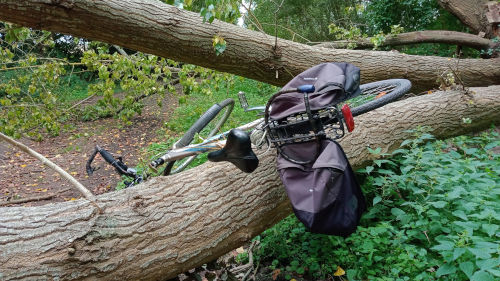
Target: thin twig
82, 189
292, 32
80, 102
121, 51
22, 105
276, 25
35, 66
71, 74
249, 11
34, 198
244, 267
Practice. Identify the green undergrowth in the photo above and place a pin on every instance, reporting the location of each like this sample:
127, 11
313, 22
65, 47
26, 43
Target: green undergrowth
70, 87
434, 214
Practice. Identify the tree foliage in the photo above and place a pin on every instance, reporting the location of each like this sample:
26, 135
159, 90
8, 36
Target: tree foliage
38, 67
304, 20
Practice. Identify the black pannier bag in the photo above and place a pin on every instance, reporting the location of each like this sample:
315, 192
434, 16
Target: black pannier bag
314, 169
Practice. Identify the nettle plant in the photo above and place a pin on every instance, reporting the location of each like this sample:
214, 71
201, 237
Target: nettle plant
445, 196
435, 215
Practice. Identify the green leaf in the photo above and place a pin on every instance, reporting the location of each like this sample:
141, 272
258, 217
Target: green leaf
492, 145
376, 200
438, 204
397, 212
445, 270
461, 214
457, 252
482, 276
369, 169
467, 268
444, 246
480, 253
495, 272
375, 151
487, 264
400, 151
405, 143
490, 229
351, 274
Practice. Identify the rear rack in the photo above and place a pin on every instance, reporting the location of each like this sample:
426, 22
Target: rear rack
297, 128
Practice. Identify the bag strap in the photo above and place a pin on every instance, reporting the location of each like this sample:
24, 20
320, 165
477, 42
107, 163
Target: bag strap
311, 119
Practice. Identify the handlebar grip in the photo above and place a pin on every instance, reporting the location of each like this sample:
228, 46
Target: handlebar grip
107, 156
306, 89
157, 162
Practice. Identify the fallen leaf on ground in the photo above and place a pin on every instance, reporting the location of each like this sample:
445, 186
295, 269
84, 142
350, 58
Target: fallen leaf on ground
339, 271
276, 272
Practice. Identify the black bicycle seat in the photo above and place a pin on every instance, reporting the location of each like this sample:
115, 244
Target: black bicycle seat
238, 150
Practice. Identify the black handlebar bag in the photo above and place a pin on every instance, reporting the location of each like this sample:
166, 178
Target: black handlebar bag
314, 169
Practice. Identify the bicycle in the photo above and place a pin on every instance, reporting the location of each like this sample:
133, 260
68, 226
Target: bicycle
235, 145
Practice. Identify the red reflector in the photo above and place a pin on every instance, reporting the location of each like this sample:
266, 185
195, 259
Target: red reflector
349, 121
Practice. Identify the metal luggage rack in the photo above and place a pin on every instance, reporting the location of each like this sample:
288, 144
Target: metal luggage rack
297, 127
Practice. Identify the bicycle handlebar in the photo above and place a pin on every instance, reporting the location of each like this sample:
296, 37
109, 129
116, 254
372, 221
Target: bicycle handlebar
118, 164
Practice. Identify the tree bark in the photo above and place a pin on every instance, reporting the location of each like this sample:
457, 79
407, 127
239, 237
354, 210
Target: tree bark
417, 37
167, 225
154, 27
472, 13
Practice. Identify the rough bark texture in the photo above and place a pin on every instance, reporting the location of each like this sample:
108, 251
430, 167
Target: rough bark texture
171, 224
427, 36
472, 13
154, 27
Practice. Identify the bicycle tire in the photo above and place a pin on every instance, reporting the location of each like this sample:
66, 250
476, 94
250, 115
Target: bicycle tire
196, 128
393, 88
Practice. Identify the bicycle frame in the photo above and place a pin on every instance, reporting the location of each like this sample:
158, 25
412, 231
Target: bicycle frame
214, 143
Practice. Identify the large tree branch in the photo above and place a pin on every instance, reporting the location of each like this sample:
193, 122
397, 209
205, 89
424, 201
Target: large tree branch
167, 225
472, 13
154, 27
417, 37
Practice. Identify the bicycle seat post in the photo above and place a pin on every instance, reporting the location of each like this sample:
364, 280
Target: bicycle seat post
243, 100
244, 104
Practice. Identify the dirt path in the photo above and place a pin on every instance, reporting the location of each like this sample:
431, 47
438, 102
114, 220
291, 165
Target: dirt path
22, 176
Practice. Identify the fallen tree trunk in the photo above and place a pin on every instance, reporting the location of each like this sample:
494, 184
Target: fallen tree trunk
167, 225
154, 27
417, 37
470, 13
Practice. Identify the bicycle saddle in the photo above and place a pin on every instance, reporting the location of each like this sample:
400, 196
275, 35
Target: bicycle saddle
238, 150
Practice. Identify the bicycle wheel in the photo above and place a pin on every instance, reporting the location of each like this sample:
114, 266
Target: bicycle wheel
377, 94
207, 126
